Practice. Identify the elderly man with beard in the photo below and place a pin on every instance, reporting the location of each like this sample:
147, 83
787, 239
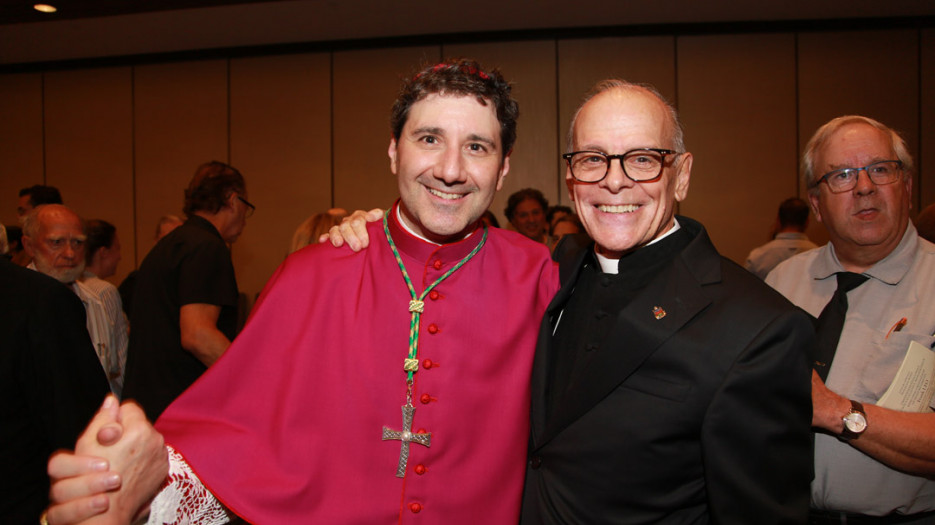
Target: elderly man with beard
50, 384
54, 236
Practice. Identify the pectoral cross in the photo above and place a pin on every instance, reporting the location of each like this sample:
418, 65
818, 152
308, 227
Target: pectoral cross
406, 436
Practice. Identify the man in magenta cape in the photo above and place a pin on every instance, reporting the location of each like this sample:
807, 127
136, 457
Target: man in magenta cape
317, 373
301, 420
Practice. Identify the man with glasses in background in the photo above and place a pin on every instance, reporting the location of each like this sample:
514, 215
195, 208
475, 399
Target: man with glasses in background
874, 453
185, 306
670, 385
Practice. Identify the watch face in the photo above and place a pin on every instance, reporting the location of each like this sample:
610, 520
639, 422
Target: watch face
855, 422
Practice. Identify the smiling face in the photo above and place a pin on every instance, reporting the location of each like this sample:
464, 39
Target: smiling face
449, 163
619, 214
866, 223
529, 219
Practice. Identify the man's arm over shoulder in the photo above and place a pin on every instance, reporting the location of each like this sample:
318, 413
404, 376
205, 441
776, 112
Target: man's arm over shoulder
756, 437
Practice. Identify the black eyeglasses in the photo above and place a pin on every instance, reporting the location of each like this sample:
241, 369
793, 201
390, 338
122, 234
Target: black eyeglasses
639, 165
250, 207
880, 173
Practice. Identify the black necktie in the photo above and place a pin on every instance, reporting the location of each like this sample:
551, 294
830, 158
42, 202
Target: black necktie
831, 320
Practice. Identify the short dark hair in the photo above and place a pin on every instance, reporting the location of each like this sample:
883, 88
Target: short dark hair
464, 77
520, 196
39, 195
100, 235
793, 212
211, 186
571, 217
491, 218
558, 208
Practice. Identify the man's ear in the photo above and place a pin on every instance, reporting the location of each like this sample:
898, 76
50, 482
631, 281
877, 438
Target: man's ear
813, 203
504, 169
391, 151
28, 246
570, 184
908, 189
683, 176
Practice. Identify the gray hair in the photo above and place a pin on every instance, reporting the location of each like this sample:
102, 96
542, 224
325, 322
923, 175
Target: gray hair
678, 139
31, 222
820, 138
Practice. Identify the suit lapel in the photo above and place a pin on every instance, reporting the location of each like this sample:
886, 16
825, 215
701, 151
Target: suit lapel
570, 255
670, 301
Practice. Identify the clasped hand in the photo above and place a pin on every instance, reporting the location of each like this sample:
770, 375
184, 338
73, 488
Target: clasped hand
118, 466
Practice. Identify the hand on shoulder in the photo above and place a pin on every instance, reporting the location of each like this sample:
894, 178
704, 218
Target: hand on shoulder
353, 230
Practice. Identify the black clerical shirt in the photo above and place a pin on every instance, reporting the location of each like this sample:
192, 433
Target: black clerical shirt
598, 297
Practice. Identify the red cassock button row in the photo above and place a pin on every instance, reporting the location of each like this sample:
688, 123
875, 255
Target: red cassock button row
420, 469
427, 363
415, 507
437, 264
426, 399
433, 295
433, 328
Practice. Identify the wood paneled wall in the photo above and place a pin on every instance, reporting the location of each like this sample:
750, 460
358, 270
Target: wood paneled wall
310, 131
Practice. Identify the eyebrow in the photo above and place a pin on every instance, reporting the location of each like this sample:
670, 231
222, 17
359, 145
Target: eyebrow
486, 140
69, 237
595, 147
433, 131
473, 137
873, 160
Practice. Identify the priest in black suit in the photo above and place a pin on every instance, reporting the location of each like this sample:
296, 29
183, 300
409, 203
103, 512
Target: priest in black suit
670, 385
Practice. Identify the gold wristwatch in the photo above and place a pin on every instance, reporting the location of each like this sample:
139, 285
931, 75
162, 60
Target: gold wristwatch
855, 422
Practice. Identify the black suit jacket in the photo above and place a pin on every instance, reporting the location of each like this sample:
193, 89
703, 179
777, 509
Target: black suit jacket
51, 383
700, 416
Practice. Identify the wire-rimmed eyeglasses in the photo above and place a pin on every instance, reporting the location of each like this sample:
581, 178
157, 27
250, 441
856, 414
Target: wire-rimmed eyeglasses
845, 179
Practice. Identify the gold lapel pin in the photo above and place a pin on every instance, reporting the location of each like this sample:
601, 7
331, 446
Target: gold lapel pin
658, 312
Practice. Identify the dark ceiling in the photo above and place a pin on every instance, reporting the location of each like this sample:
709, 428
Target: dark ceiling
111, 29
19, 11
